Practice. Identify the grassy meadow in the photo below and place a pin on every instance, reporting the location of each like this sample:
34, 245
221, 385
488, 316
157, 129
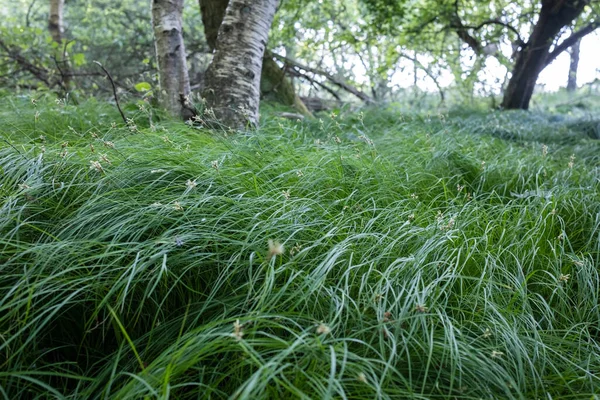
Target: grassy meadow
366, 254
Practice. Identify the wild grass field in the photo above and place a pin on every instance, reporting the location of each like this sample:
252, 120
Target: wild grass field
371, 254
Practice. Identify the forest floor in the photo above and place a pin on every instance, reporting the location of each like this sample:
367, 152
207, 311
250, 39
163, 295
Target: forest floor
367, 254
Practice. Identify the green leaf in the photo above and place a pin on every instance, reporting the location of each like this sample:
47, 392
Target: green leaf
79, 59
143, 86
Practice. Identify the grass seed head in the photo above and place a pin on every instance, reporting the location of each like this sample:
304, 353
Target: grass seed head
323, 329
237, 330
421, 308
275, 249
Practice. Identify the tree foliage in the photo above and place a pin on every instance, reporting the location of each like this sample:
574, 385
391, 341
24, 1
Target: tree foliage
379, 47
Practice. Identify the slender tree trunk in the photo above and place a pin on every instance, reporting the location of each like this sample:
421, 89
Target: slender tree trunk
415, 76
572, 82
232, 88
170, 52
55, 20
56, 29
532, 59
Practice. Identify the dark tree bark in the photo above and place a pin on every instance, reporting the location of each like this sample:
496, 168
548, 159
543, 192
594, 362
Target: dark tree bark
535, 54
572, 81
212, 12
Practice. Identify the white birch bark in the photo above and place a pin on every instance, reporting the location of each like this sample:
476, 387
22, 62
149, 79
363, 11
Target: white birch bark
170, 52
56, 29
232, 81
55, 20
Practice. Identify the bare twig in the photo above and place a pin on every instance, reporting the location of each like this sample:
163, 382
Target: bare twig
63, 79
496, 22
114, 90
430, 74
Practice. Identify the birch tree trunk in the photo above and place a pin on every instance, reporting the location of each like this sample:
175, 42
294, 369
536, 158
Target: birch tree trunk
55, 20
232, 81
573, 66
213, 12
170, 52
56, 29
273, 81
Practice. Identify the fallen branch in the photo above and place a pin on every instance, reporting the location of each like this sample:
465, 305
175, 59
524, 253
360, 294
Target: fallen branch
114, 90
294, 72
349, 88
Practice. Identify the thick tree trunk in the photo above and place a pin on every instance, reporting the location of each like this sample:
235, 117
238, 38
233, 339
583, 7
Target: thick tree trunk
232, 88
533, 58
56, 29
273, 79
170, 52
572, 82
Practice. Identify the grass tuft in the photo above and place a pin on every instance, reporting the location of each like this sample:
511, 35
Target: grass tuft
367, 255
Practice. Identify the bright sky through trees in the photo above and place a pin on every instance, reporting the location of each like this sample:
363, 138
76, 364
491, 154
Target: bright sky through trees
552, 77
555, 75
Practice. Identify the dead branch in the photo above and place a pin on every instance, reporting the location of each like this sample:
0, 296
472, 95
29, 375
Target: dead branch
349, 88
114, 89
295, 72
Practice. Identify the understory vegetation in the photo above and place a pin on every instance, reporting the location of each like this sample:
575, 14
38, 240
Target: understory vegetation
364, 254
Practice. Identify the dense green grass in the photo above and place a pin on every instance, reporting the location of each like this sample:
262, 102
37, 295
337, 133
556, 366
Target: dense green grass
440, 256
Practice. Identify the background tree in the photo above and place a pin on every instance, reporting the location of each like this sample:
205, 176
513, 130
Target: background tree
573, 66
171, 56
56, 29
482, 26
534, 55
333, 52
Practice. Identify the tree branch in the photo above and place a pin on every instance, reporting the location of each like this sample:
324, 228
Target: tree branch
27, 16
349, 88
496, 22
429, 74
40, 73
571, 40
295, 72
114, 90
